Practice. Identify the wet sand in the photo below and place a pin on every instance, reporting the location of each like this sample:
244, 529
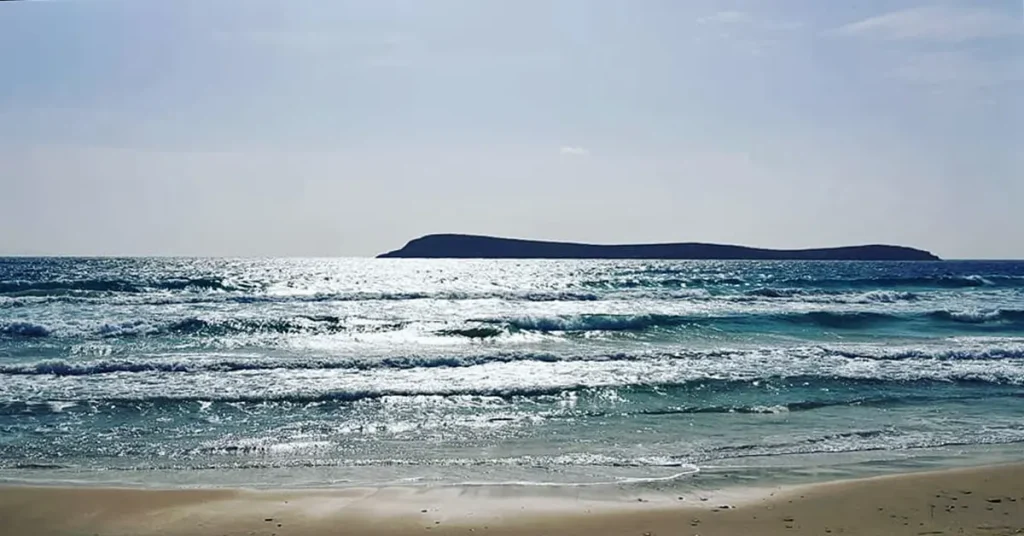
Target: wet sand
984, 501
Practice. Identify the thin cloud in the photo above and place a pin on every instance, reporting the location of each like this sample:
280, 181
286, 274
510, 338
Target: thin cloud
725, 17
934, 23
574, 151
743, 18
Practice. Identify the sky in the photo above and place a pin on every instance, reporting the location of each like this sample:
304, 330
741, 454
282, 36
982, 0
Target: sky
315, 128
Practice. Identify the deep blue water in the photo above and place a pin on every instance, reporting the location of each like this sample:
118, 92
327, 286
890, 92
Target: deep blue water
353, 371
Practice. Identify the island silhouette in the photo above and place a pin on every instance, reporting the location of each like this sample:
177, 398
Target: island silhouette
463, 246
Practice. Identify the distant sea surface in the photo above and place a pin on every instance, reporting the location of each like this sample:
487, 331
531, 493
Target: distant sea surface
352, 372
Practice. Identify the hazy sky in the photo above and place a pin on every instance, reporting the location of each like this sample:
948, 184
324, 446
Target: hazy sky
331, 128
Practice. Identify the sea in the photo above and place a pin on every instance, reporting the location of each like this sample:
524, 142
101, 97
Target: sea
377, 372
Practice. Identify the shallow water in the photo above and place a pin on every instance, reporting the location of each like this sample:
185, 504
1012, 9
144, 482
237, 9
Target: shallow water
344, 371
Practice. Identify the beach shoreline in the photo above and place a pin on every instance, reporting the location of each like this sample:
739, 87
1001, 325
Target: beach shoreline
976, 500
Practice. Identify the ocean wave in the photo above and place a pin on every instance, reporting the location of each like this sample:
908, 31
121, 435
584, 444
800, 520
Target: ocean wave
142, 297
938, 281
810, 405
474, 332
773, 292
833, 296
845, 320
791, 285
202, 291
73, 367
886, 296
451, 295
40, 288
981, 317
336, 396
70, 286
690, 410
552, 394
63, 367
298, 324
209, 327
860, 441
635, 282
595, 322
23, 330
491, 328
840, 320
984, 353
195, 326
583, 323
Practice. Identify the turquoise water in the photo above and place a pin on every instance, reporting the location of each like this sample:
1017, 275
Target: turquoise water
350, 372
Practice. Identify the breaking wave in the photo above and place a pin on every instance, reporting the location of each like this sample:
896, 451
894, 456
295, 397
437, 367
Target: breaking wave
61, 287
981, 317
483, 329
228, 363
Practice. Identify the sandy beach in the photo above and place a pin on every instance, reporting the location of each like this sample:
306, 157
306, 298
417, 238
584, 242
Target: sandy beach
987, 500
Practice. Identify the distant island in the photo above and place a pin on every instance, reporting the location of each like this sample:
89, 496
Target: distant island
458, 246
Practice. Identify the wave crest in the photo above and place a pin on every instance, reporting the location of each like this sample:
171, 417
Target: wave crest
71, 286
24, 329
980, 317
228, 363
